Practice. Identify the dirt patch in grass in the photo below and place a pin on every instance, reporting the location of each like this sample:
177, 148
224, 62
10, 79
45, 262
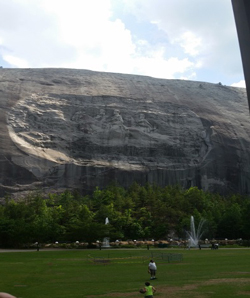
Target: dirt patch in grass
172, 292
246, 293
226, 280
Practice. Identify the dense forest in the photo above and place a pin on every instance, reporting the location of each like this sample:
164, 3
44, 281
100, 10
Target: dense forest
139, 212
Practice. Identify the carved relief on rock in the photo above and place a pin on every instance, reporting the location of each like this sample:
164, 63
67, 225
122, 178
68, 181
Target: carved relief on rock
143, 124
85, 128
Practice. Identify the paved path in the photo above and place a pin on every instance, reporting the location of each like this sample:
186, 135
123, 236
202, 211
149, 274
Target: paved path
33, 250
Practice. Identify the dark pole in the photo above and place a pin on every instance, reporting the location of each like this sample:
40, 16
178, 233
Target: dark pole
241, 10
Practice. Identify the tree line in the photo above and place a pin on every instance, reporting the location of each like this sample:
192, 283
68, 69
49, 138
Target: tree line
139, 212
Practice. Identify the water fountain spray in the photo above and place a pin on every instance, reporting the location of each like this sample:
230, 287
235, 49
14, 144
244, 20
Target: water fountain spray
194, 236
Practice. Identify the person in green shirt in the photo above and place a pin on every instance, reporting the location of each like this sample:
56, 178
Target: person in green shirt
149, 290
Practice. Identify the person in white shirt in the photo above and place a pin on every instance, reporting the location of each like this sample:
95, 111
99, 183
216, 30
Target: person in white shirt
152, 269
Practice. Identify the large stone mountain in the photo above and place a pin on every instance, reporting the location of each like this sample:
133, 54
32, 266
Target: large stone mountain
77, 129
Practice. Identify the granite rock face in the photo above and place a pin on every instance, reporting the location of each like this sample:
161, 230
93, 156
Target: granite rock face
77, 129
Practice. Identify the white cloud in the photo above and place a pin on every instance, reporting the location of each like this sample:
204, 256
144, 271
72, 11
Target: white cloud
205, 29
71, 33
162, 68
241, 84
190, 42
185, 37
80, 34
15, 61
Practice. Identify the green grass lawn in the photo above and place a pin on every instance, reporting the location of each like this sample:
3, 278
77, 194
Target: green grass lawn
121, 273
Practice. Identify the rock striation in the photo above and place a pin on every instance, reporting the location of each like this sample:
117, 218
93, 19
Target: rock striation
78, 129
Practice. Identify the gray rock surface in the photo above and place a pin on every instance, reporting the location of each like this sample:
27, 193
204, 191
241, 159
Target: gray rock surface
77, 129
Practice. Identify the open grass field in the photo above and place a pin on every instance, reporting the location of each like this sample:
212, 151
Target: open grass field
121, 273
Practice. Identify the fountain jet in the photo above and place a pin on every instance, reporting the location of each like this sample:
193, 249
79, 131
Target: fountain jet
194, 236
105, 243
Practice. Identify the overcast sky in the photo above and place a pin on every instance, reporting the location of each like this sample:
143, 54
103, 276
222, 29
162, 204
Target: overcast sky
172, 39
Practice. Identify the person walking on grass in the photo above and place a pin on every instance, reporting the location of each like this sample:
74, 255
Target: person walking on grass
148, 290
152, 269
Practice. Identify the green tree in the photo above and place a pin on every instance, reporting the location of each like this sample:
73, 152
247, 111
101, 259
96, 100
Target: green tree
231, 224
